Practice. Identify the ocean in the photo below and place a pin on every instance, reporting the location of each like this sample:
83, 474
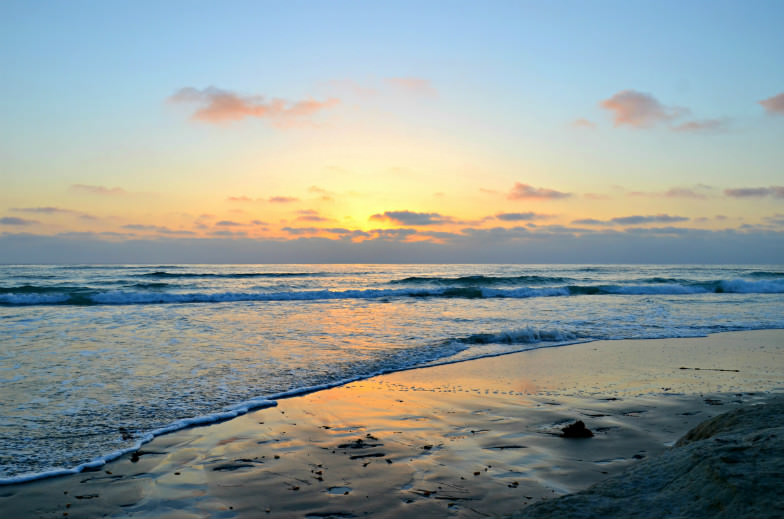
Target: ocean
97, 360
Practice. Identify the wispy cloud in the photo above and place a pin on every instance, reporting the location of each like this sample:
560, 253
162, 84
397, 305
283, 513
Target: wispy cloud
675, 192
228, 223
240, 199
13, 220
527, 192
643, 110
157, 228
310, 215
638, 109
633, 220
705, 125
776, 219
520, 217
488, 191
756, 192
581, 122
224, 233
412, 218
412, 85
98, 190
683, 192
44, 210
323, 194
589, 221
656, 218
216, 105
282, 199
54, 210
140, 227
774, 105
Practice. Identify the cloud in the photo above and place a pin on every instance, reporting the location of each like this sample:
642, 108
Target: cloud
526, 192
44, 210
704, 125
656, 218
774, 105
300, 230
517, 217
633, 220
583, 123
756, 192
412, 218
239, 199
776, 219
54, 210
393, 234
682, 192
13, 220
412, 85
596, 196
156, 228
310, 215
229, 234
282, 199
98, 190
140, 227
323, 193
219, 106
639, 110
228, 223
676, 192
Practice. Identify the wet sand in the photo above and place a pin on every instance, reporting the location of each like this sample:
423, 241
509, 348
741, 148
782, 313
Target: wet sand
470, 439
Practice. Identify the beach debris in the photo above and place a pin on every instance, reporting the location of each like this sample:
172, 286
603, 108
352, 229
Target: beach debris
711, 369
359, 443
138, 454
371, 455
576, 430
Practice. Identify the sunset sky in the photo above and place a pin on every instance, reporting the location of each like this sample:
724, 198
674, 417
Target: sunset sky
287, 131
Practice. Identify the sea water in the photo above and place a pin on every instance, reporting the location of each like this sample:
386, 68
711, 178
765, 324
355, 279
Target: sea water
96, 360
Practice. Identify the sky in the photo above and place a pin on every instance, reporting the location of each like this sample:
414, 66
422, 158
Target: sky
331, 131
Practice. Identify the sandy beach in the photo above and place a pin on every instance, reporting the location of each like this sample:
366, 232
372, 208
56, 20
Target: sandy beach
472, 439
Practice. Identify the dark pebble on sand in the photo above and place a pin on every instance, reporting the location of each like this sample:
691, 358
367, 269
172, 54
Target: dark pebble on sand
576, 430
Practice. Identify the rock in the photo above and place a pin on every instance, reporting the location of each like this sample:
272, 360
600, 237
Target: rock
576, 430
728, 466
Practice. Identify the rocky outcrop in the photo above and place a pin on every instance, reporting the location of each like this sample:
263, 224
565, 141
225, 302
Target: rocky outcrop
729, 466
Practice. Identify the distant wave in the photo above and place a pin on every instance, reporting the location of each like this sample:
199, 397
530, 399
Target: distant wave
47, 295
479, 280
238, 275
151, 285
766, 274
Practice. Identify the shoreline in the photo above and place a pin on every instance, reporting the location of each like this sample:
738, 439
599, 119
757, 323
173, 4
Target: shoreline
407, 437
264, 402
